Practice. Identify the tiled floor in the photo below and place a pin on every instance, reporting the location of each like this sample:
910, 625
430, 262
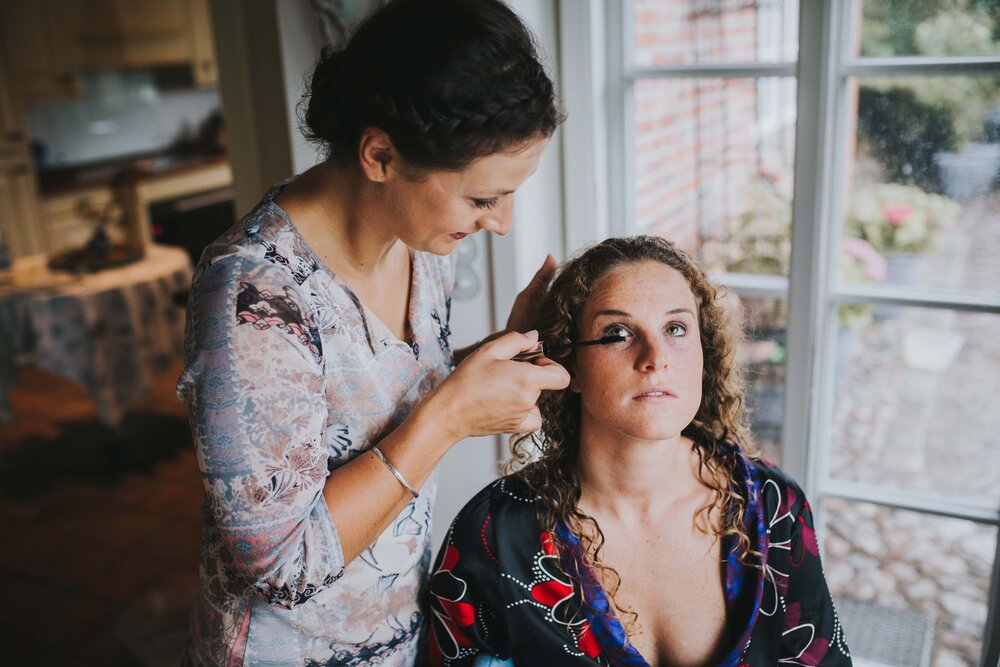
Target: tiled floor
100, 532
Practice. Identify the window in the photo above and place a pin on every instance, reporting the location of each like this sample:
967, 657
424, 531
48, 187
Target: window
836, 166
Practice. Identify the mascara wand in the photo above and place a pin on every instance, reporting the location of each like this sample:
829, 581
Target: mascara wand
545, 349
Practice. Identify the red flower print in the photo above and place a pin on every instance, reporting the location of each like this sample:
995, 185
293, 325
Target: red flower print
448, 612
805, 648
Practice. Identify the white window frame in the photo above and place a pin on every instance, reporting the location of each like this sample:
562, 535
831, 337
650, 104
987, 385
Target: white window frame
823, 71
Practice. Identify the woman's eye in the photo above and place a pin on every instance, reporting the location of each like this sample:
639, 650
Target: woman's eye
617, 330
486, 203
676, 329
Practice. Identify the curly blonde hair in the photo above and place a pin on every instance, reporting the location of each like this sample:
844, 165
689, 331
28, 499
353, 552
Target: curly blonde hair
720, 415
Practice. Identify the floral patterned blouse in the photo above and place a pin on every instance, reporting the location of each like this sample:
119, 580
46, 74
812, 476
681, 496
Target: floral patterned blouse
287, 377
496, 590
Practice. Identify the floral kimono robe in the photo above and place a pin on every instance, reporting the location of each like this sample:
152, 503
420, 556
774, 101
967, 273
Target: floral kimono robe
496, 591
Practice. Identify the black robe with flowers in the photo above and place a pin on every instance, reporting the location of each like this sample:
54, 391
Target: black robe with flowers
496, 591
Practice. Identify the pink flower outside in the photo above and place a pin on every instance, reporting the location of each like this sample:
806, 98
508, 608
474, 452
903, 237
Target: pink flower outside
873, 263
896, 214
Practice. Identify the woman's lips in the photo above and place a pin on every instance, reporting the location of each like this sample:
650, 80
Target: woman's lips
458, 236
655, 395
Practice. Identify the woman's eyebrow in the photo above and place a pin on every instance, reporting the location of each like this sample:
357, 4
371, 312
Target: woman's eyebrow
622, 313
611, 313
495, 193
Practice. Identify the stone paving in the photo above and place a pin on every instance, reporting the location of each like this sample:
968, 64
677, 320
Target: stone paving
899, 425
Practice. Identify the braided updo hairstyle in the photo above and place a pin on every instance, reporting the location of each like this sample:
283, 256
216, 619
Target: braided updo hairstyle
449, 81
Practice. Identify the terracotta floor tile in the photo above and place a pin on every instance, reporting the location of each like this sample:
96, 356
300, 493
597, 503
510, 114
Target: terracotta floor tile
98, 525
16, 650
30, 548
76, 616
124, 578
182, 502
106, 649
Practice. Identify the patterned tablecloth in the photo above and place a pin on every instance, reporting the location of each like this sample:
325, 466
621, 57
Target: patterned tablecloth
111, 331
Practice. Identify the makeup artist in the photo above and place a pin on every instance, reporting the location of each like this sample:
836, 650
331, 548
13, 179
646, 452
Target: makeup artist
321, 382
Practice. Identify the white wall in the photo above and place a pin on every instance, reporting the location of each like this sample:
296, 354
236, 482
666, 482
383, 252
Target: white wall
538, 204
251, 55
472, 463
301, 43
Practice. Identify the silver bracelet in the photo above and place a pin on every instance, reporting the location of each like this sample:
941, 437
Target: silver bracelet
395, 473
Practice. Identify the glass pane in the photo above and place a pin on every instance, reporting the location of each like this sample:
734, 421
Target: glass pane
924, 202
686, 32
916, 405
902, 578
762, 359
713, 168
930, 28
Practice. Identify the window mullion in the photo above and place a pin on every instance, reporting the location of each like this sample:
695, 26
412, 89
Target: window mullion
712, 71
897, 295
922, 66
753, 285
991, 642
621, 208
815, 148
584, 134
912, 502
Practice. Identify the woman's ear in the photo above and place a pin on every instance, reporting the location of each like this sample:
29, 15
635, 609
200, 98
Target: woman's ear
375, 153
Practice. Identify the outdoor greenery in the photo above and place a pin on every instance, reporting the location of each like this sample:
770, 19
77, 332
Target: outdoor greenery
939, 28
904, 134
891, 28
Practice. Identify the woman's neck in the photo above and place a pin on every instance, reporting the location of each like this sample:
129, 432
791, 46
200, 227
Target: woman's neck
338, 215
633, 478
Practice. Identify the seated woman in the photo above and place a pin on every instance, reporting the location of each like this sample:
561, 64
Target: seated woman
641, 531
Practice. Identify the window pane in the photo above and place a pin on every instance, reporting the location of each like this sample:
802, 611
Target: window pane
916, 402
930, 28
899, 575
762, 359
924, 202
713, 168
685, 32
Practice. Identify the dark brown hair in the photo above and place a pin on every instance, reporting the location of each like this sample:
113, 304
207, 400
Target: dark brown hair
448, 80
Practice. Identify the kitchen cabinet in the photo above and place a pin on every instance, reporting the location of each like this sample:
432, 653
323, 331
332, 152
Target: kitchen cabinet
19, 215
204, 66
48, 41
108, 34
13, 133
40, 59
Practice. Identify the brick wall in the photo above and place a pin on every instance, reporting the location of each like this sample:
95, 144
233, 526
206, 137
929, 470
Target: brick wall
697, 141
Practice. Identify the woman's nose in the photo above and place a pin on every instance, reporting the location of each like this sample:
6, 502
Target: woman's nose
499, 220
652, 356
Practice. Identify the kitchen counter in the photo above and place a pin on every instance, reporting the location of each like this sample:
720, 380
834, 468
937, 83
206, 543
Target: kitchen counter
125, 190
123, 172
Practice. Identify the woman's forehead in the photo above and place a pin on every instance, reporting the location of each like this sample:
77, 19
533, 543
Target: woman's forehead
646, 284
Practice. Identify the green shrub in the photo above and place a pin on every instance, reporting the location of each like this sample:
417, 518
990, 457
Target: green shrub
904, 134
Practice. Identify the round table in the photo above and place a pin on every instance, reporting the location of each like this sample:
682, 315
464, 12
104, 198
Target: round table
110, 330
